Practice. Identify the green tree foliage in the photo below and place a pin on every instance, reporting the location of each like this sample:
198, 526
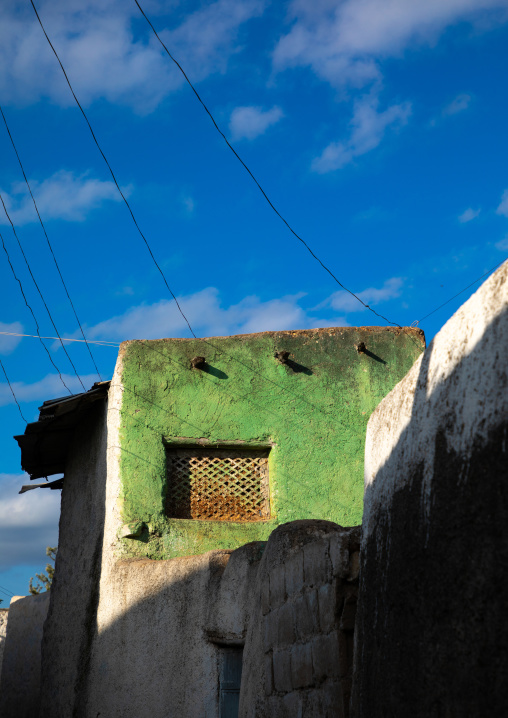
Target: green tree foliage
45, 579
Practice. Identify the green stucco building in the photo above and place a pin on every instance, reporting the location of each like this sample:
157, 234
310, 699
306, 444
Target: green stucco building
223, 439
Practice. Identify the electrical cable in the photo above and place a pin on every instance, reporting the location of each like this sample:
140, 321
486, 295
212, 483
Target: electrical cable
63, 339
32, 313
256, 181
272, 205
47, 240
38, 289
112, 174
417, 322
12, 391
388, 321
6, 590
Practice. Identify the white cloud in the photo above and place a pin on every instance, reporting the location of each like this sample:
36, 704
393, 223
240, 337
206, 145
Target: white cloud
49, 387
208, 318
208, 36
343, 42
189, 204
503, 206
342, 301
64, 195
28, 522
368, 127
9, 344
458, 104
468, 215
96, 44
502, 245
251, 122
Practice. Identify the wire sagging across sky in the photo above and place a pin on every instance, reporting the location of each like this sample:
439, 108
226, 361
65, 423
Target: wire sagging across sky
31, 312
47, 240
12, 391
384, 318
40, 294
221, 133
112, 173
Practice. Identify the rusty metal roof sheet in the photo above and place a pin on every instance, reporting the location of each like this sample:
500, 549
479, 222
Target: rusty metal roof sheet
45, 443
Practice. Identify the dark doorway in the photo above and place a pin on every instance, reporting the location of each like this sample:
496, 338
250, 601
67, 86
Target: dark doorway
230, 677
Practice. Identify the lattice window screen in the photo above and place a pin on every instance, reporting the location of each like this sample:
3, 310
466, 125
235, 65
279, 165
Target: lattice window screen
217, 484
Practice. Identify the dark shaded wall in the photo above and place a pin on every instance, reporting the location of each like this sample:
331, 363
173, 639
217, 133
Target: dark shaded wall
71, 623
432, 632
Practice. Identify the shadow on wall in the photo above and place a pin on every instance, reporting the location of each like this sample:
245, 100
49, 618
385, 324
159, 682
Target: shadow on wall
156, 658
176, 649
431, 630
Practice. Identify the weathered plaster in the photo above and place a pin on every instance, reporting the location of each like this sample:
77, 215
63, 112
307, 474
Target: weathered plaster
71, 624
4, 614
431, 630
312, 412
159, 655
21, 666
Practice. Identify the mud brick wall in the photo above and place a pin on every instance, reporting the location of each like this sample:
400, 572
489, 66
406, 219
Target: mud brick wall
303, 635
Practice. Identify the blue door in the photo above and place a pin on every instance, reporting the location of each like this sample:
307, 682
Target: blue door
230, 679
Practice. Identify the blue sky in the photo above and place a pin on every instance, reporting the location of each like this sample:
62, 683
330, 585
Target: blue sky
378, 129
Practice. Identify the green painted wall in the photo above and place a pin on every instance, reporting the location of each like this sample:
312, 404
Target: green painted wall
314, 414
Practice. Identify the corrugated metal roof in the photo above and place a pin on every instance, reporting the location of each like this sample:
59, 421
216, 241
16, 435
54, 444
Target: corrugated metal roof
45, 443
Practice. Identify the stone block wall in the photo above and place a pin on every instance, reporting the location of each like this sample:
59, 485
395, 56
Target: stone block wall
298, 651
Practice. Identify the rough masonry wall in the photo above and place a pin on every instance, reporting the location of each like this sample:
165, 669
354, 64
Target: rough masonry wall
312, 412
432, 629
21, 666
72, 622
299, 648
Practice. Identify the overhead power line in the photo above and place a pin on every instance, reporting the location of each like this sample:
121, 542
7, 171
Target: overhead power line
6, 590
38, 289
458, 293
12, 391
221, 133
388, 321
32, 313
244, 165
47, 240
112, 173
63, 339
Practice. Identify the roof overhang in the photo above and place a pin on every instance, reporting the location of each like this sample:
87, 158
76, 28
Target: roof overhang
45, 443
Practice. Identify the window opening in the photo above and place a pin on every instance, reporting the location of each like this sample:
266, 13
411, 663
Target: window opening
226, 484
230, 678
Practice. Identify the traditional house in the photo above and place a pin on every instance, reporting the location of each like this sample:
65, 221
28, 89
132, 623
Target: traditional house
175, 475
